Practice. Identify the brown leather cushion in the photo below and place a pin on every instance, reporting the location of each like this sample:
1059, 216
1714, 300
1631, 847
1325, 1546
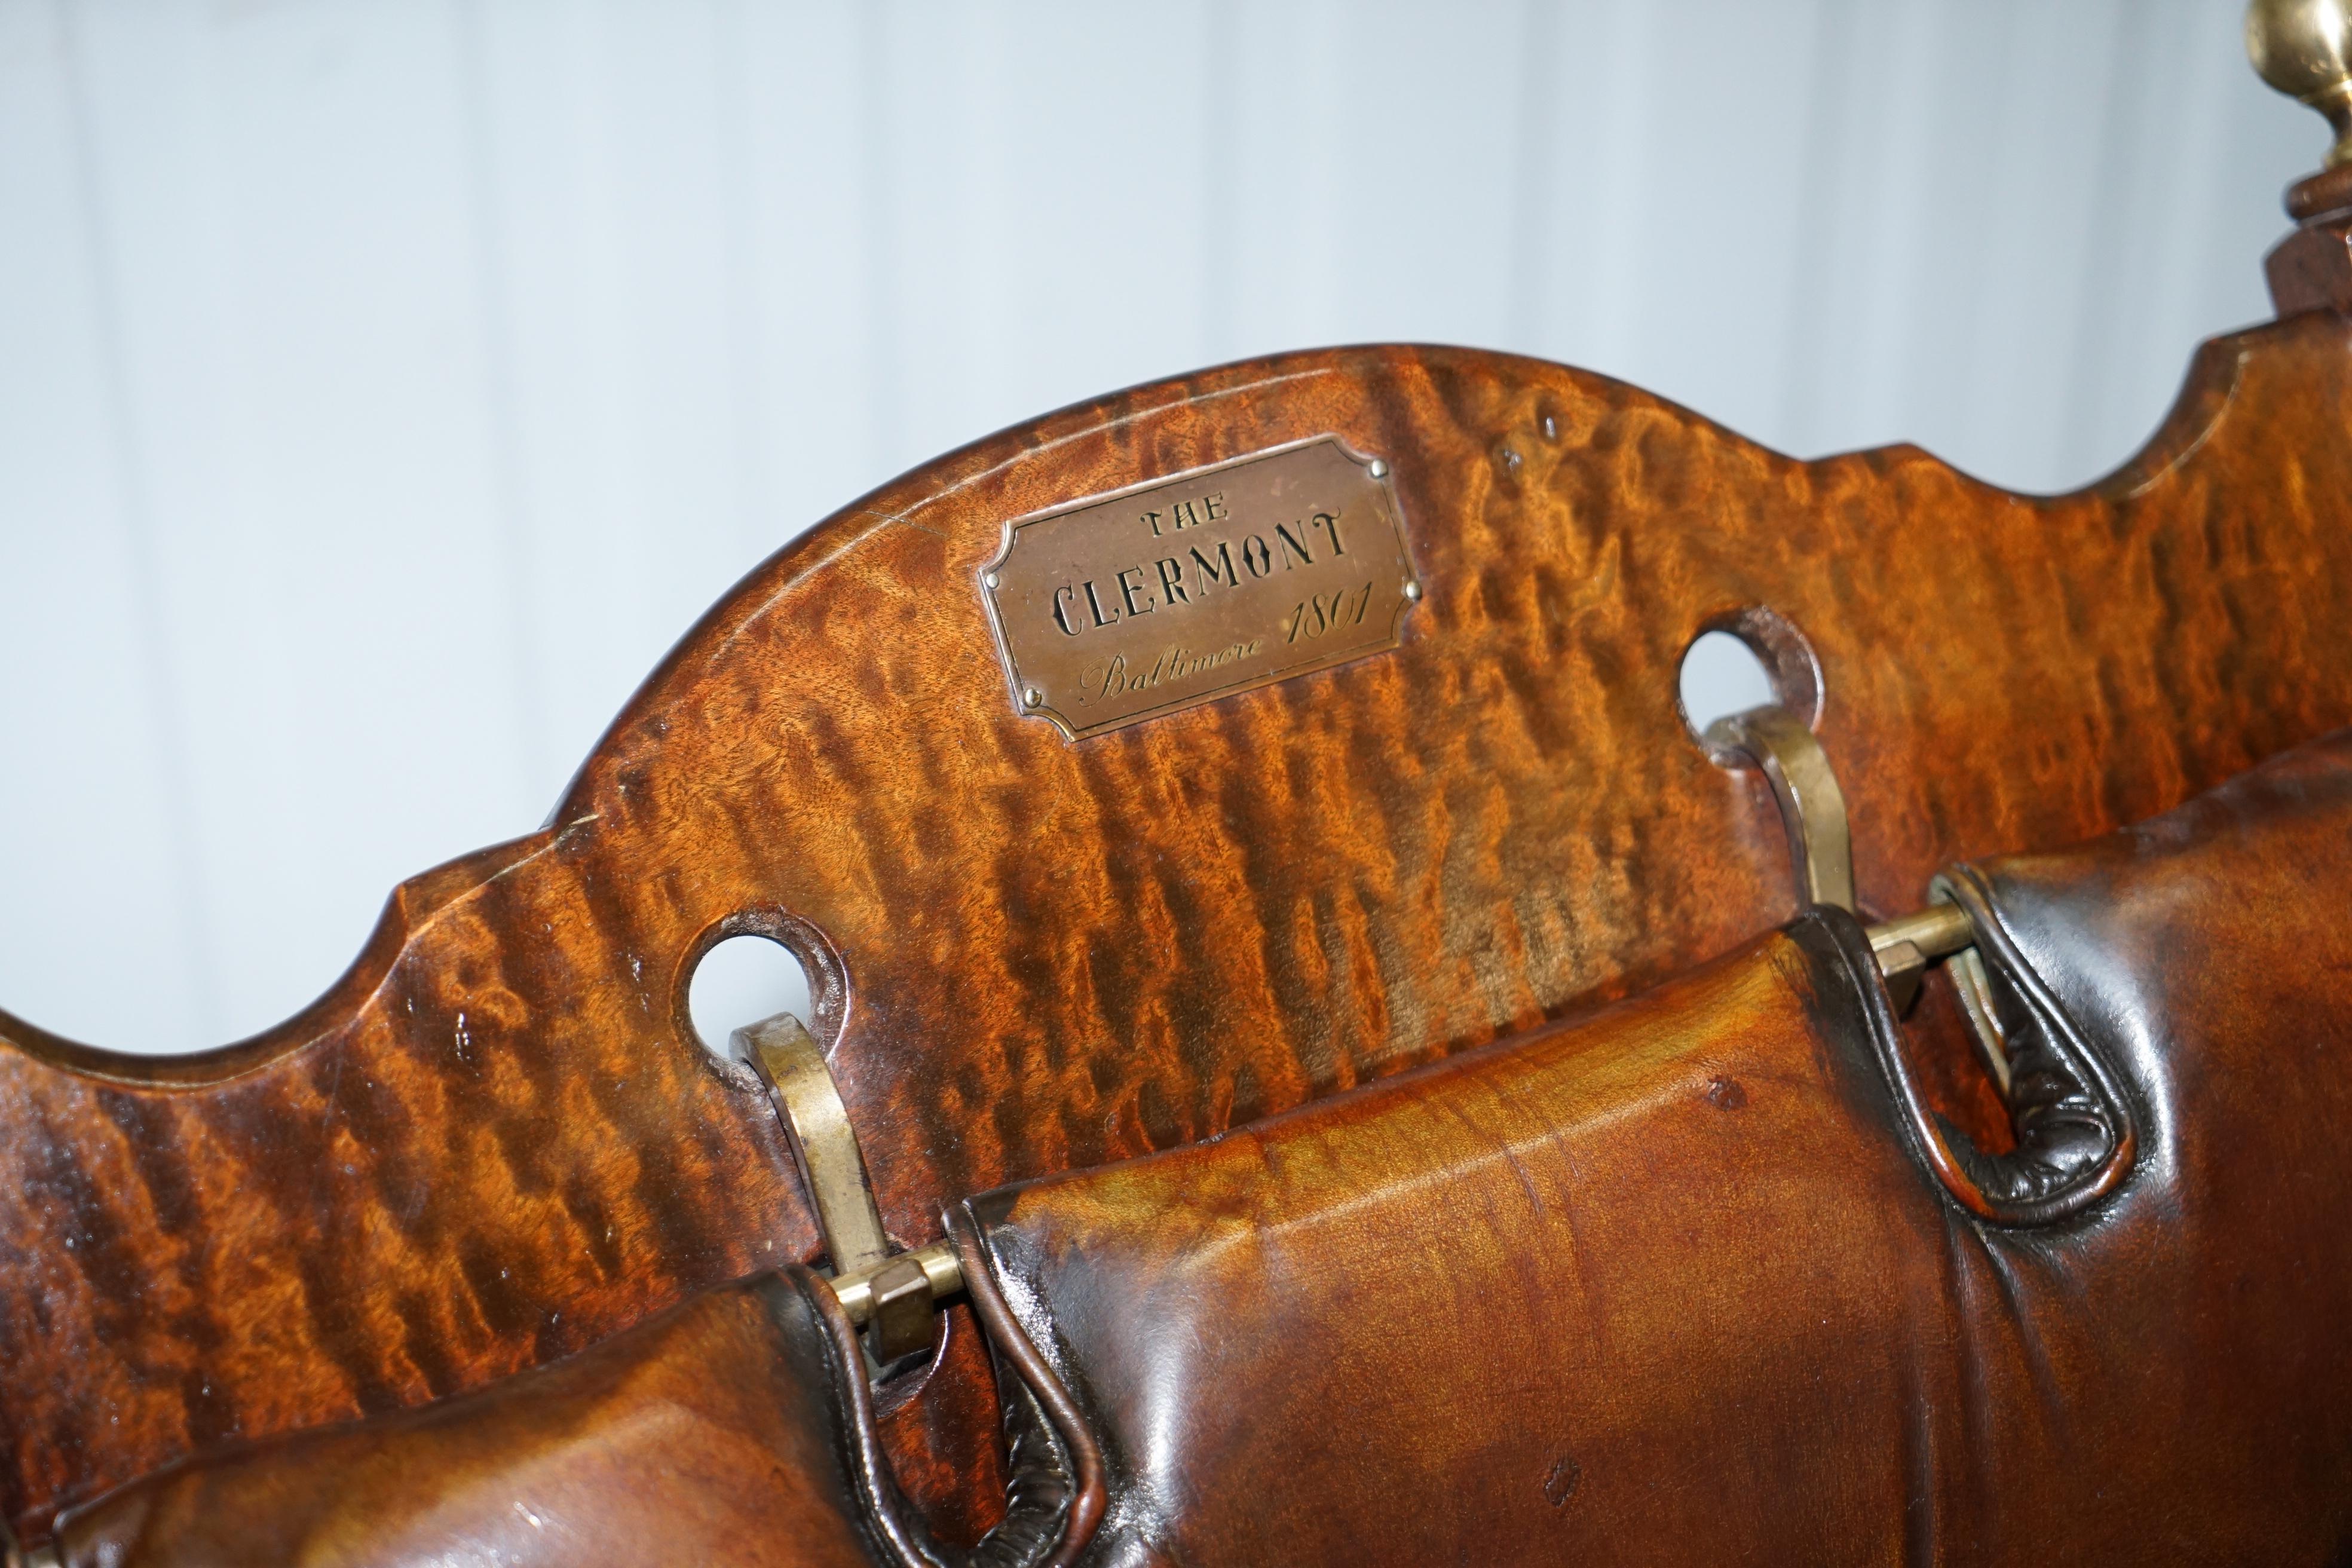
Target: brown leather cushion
1696, 1281
736, 1428
710, 1435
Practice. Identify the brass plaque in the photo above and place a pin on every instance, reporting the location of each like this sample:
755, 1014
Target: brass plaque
1123, 607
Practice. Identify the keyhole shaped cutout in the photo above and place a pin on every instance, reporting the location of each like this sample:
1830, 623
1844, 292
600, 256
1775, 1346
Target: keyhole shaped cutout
1721, 675
741, 981
1745, 659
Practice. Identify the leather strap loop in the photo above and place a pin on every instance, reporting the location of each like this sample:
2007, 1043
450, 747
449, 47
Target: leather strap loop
2075, 1139
1054, 1490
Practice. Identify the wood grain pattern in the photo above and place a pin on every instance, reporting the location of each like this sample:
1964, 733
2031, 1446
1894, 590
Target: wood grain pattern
496, 1139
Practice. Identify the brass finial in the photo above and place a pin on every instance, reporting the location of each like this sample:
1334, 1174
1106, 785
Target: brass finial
2304, 48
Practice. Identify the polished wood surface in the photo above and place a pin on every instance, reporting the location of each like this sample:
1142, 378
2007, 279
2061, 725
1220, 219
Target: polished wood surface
2311, 269
495, 1140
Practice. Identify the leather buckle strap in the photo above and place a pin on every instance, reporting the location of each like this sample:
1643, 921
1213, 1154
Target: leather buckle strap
2074, 1135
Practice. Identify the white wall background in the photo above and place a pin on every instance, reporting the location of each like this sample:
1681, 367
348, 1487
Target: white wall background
384, 385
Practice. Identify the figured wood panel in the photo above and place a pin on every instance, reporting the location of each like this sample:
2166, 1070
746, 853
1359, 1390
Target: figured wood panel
454, 356
497, 1139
